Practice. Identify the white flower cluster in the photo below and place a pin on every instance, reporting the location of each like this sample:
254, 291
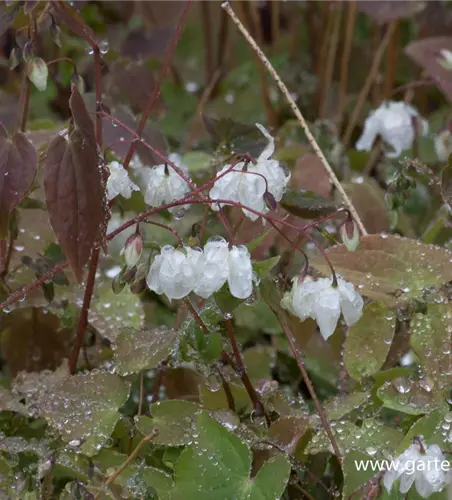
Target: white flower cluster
323, 302
248, 187
177, 272
423, 468
119, 182
395, 123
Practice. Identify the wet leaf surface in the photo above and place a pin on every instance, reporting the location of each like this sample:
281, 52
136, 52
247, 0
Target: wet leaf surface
389, 268
84, 409
142, 350
218, 463
368, 341
174, 420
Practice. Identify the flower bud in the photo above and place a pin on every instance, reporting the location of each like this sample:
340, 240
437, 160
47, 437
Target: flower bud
14, 58
78, 81
443, 145
55, 33
270, 201
133, 249
28, 51
38, 73
350, 234
446, 59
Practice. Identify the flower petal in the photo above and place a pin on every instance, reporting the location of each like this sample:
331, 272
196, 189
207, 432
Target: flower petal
240, 278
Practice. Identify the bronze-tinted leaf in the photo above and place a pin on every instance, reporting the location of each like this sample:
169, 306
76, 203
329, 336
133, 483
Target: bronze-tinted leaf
18, 164
119, 139
133, 82
427, 53
73, 186
390, 268
158, 13
384, 11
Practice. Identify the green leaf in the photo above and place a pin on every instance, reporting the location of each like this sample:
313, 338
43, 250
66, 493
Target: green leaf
426, 426
389, 268
372, 437
411, 397
306, 204
142, 350
197, 161
84, 408
262, 268
6, 478
446, 183
339, 406
225, 301
287, 431
173, 419
218, 465
430, 339
368, 341
354, 478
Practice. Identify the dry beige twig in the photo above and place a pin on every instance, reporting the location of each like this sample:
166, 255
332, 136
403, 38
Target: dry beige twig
297, 114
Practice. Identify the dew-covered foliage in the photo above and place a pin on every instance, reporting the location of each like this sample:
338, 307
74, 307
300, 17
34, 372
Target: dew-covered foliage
222, 276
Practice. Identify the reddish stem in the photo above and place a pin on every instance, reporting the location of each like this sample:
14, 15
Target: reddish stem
241, 370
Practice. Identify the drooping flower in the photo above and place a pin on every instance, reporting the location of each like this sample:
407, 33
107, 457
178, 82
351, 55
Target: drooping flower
240, 275
248, 183
323, 302
177, 272
164, 184
172, 272
118, 182
215, 267
396, 123
38, 72
133, 249
421, 467
350, 235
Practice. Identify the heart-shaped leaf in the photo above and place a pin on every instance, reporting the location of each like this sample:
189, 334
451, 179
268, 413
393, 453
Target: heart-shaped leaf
18, 164
74, 188
389, 268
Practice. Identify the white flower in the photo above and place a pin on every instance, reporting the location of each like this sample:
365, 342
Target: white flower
240, 276
119, 182
215, 267
176, 272
324, 303
164, 184
422, 469
393, 121
173, 272
248, 187
38, 72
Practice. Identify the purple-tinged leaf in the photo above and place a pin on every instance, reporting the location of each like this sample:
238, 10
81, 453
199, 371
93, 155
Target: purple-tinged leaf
385, 11
427, 54
74, 188
18, 164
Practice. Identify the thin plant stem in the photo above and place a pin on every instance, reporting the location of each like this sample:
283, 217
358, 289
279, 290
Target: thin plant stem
378, 56
297, 114
140, 402
156, 91
208, 42
297, 356
345, 59
332, 50
129, 459
257, 403
391, 61
83, 318
275, 6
